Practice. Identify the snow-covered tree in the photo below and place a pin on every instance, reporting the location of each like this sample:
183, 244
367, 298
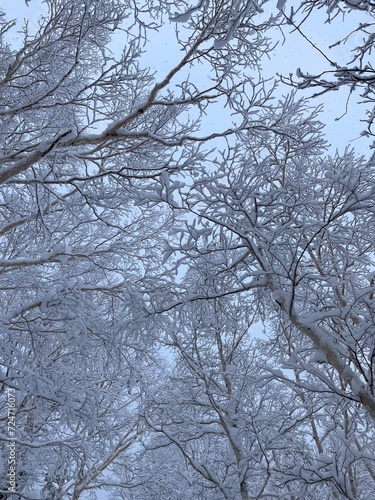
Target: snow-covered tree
84, 130
124, 210
292, 232
297, 229
214, 409
253, 418
352, 22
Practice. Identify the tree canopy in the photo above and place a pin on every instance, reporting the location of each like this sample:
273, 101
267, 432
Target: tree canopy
187, 269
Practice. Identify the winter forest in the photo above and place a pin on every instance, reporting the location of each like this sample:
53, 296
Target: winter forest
187, 278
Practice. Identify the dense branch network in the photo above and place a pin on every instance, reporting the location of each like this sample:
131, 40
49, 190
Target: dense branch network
140, 250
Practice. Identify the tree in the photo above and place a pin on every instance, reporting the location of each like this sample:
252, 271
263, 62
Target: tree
356, 74
249, 429
83, 133
293, 230
295, 241
213, 410
102, 167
